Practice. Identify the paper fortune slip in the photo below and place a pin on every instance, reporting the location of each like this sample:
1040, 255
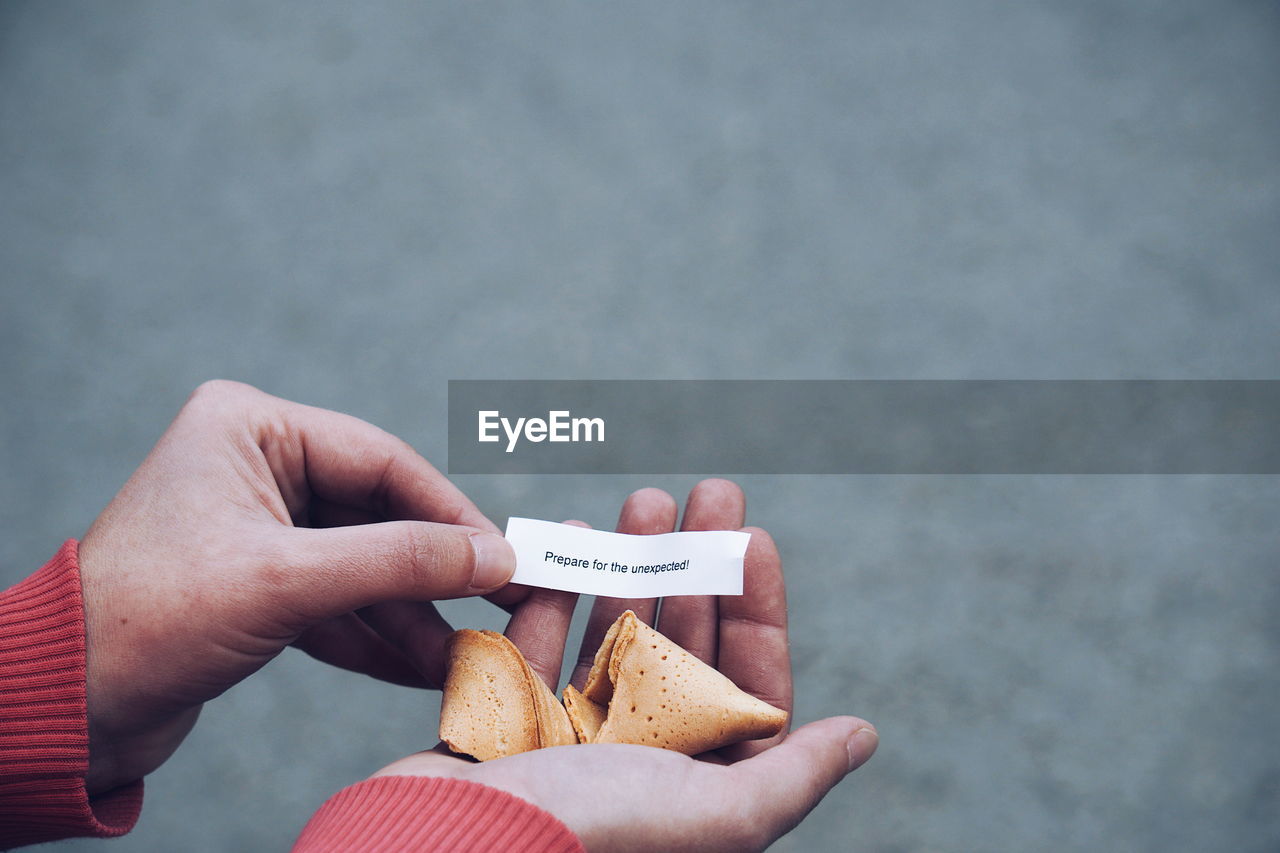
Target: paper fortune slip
622, 565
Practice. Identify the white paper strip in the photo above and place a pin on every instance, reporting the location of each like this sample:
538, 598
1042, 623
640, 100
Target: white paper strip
621, 565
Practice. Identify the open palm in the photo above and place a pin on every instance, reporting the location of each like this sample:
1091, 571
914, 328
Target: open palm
624, 797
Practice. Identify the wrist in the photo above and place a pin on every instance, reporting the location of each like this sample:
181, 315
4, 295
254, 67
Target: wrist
128, 736
428, 813
43, 722
103, 771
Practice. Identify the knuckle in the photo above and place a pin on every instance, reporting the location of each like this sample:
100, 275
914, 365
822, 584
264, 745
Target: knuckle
274, 579
754, 833
423, 552
760, 538
743, 827
654, 494
214, 394
426, 559
413, 555
747, 839
718, 488
215, 388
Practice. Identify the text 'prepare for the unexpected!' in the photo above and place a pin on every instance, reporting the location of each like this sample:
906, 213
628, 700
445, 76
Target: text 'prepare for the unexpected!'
614, 565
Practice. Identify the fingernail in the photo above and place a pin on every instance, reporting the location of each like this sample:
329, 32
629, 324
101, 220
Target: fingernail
861, 745
495, 561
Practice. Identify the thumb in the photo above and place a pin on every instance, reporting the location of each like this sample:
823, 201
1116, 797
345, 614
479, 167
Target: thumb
336, 570
785, 782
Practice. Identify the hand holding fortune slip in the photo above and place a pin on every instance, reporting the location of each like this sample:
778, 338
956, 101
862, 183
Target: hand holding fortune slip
643, 689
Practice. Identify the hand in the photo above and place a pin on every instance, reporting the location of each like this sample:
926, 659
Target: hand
201, 569
619, 797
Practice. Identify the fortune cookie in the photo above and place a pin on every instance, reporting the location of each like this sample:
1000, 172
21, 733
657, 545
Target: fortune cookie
494, 704
657, 694
587, 716
642, 689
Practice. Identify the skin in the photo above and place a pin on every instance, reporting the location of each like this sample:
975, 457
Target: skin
739, 798
256, 523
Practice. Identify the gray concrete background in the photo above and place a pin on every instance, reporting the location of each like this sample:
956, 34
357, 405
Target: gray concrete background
350, 204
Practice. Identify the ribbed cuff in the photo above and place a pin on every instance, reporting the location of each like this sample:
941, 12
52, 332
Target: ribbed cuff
425, 813
44, 730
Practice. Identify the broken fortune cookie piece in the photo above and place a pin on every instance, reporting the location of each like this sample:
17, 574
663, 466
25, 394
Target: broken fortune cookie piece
642, 689
587, 716
494, 704
660, 695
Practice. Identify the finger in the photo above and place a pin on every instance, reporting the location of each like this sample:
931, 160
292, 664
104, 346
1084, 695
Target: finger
347, 461
336, 470
323, 573
539, 627
348, 643
754, 653
322, 513
509, 597
645, 512
415, 629
780, 786
690, 621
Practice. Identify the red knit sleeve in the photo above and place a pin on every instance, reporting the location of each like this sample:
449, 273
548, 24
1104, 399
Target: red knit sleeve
44, 730
424, 813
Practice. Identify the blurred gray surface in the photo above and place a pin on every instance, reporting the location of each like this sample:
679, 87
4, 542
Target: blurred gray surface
349, 205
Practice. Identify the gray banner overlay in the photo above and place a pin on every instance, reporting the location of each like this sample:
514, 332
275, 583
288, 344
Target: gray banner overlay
865, 427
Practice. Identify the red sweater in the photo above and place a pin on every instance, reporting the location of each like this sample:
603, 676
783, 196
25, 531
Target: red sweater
44, 755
